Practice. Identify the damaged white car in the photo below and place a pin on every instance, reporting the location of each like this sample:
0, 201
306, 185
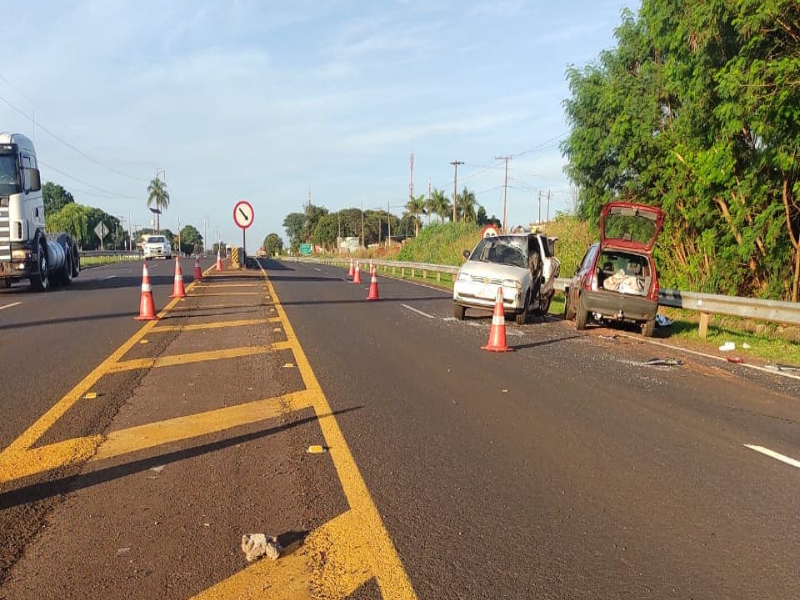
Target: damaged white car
523, 266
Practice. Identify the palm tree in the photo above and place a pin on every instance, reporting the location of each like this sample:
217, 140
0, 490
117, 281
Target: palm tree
466, 206
440, 204
416, 207
158, 196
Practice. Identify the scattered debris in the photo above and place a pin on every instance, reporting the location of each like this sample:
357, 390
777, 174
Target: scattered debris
777, 367
505, 391
746, 346
256, 545
142, 341
663, 362
288, 366
663, 321
90, 395
727, 347
735, 359
157, 469
121, 551
612, 337
316, 449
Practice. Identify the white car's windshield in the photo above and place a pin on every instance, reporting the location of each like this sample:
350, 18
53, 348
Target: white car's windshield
156, 239
503, 251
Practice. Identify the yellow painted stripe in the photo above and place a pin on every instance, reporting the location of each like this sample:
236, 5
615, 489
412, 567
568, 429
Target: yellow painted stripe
250, 584
13, 459
217, 306
182, 428
46, 458
370, 534
188, 358
226, 294
204, 286
216, 325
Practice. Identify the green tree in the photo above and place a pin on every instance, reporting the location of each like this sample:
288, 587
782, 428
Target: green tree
73, 219
273, 244
313, 214
326, 231
55, 197
466, 206
416, 207
482, 219
440, 205
294, 224
157, 197
191, 240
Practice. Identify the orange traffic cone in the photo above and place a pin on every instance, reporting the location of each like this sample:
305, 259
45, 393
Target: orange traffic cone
373, 287
147, 309
178, 291
497, 335
371, 268
218, 267
357, 274
351, 271
198, 271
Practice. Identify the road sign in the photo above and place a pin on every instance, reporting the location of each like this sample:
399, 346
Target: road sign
489, 231
305, 249
101, 230
243, 214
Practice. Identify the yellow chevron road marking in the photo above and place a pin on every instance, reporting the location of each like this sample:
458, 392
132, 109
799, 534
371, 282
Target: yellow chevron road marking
217, 325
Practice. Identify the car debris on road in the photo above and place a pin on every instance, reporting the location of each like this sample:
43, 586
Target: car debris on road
256, 545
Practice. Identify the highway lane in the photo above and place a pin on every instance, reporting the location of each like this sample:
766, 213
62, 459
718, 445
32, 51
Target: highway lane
566, 469
51, 341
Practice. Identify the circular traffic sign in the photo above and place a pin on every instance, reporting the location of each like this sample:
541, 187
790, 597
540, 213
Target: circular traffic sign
243, 214
489, 231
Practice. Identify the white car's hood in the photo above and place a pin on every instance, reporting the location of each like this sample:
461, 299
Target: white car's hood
491, 270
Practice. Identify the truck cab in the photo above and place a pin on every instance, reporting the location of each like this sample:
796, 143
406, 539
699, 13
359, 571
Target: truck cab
26, 251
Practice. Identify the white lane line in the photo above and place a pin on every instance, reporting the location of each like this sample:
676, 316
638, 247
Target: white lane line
419, 312
10, 305
775, 455
316, 269
110, 277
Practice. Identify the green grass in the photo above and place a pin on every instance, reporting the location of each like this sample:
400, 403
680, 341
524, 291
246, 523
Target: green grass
96, 261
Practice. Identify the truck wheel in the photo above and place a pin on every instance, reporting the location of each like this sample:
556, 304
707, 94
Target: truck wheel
459, 312
65, 274
648, 327
581, 316
76, 263
41, 281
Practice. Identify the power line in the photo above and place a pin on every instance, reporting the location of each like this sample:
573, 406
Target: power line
68, 145
82, 182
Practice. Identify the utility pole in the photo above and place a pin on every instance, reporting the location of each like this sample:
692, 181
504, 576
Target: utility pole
388, 216
455, 164
411, 181
548, 206
505, 189
540, 207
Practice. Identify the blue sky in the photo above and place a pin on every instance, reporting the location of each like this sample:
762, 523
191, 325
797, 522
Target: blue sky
266, 101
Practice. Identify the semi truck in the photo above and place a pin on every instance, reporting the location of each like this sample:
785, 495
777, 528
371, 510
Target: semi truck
27, 250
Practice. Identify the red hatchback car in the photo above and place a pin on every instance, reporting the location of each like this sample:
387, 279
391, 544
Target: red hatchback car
617, 278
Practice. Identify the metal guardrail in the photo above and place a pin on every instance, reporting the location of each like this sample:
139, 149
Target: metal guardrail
706, 304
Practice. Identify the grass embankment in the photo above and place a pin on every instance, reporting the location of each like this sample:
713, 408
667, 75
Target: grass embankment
444, 244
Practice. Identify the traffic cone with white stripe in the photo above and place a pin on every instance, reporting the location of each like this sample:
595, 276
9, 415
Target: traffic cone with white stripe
351, 271
198, 271
373, 287
178, 291
147, 309
371, 267
497, 335
218, 266
357, 274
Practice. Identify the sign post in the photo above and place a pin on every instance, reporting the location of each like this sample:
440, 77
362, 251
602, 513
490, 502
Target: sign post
243, 216
102, 231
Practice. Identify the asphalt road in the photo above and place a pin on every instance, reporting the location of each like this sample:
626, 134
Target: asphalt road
565, 469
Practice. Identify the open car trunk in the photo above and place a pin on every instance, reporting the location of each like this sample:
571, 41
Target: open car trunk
624, 273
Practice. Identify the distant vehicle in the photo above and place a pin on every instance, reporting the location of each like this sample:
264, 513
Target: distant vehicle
156, 246
617, 278
523, 266
261, 252
27, 251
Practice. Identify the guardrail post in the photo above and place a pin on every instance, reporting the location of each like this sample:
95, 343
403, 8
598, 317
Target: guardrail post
394, 271
402, 271
439, 277
412, 272
424, 274
705, 318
